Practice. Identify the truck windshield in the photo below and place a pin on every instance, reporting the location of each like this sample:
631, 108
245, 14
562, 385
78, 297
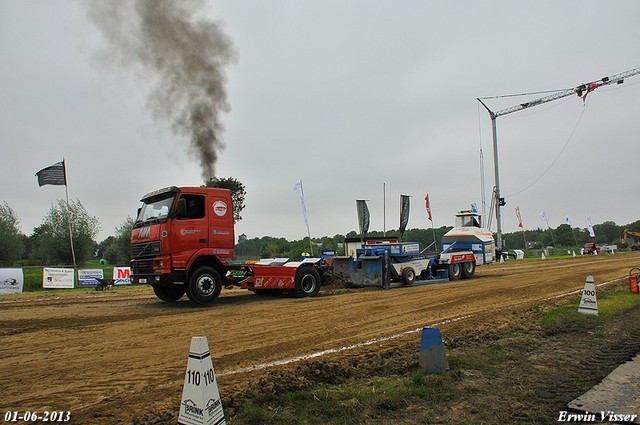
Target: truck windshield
154, 211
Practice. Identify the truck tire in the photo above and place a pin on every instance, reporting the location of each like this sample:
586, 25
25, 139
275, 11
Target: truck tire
408, 276
169, 293
204, 285
307, 282
455, 271
468, 269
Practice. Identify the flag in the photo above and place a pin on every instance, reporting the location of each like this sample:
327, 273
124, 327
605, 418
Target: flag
404, 213
474, 207
590, 228
519, 218
54, 174
543, 216
426, 199
567, 220
298, 189
363, 216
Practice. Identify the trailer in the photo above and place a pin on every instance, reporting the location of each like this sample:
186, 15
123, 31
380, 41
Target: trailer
388, 263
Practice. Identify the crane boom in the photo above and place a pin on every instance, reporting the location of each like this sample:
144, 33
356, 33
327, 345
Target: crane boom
582, 90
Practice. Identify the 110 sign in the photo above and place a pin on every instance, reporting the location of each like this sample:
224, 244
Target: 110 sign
195, 377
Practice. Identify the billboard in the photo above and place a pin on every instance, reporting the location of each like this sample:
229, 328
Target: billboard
122, 275
11, 281
57, 278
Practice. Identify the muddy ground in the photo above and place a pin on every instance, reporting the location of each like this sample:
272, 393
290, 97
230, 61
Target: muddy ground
119, 356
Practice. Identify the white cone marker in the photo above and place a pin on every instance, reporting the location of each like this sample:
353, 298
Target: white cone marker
201, 403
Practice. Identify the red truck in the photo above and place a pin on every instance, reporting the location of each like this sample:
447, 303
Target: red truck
183, 240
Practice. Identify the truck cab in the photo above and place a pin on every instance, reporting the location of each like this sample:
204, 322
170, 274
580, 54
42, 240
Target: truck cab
181, 241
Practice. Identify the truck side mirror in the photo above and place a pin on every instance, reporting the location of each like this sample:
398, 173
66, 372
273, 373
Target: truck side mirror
181, 208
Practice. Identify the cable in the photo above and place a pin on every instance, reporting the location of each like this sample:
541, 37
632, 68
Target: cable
522, 94
557, 156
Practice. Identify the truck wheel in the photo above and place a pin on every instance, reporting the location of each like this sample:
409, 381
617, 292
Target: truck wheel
169, 293
307, 282
204, 285
408, 276
455, 271
468, 269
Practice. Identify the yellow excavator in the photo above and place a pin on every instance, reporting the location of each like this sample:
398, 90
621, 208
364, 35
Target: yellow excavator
631, 242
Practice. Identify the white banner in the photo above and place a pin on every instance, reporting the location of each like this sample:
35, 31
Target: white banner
88, 276
57, 278
11, 281
122, 275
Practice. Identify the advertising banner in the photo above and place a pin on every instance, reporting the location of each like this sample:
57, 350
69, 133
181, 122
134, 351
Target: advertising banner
88, 276
11, 281
57, 278
122, 275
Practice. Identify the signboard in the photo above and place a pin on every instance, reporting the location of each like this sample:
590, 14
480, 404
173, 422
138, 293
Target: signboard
122, 275
11, 281
88, 276
57, 278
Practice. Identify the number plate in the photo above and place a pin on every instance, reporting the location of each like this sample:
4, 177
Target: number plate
142, 280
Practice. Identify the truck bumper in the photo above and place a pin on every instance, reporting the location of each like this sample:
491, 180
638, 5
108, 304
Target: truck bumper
157, 278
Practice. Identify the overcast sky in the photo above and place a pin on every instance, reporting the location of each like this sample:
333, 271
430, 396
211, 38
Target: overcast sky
346, 96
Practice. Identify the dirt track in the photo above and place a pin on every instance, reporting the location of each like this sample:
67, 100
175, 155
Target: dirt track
110, 356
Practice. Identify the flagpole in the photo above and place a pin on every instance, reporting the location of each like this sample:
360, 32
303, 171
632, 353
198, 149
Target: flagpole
66, 188
550, 231
384, 209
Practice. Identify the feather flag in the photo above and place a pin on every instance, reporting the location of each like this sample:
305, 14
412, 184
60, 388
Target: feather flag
298, 189
404, 213
519, 217
428, 206
363, 216
590, 228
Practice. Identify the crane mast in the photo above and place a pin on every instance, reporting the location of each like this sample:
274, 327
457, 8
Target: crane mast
582, 91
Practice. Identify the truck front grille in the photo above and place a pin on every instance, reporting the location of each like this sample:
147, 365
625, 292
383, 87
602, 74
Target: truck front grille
142, 267
145, 249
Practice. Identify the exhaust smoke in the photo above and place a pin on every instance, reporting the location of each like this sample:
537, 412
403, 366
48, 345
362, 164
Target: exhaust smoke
184, 57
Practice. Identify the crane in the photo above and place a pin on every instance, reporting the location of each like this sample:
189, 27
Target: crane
582, 91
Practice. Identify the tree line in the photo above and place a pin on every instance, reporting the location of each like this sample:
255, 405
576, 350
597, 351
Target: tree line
48, 244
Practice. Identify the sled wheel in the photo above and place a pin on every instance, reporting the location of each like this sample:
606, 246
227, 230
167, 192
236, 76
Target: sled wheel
455, 271
204, 285
169, 293
408, 276
468, 269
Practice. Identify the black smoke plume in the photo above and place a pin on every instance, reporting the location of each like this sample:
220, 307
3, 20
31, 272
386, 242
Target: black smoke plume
185, 58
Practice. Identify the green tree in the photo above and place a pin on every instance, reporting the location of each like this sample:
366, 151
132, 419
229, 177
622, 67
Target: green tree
117, 250
564, 235
237, 193
608, 232
11, 240
50, 241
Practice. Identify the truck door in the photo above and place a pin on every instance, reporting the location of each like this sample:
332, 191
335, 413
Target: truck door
190, 231
220, 213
